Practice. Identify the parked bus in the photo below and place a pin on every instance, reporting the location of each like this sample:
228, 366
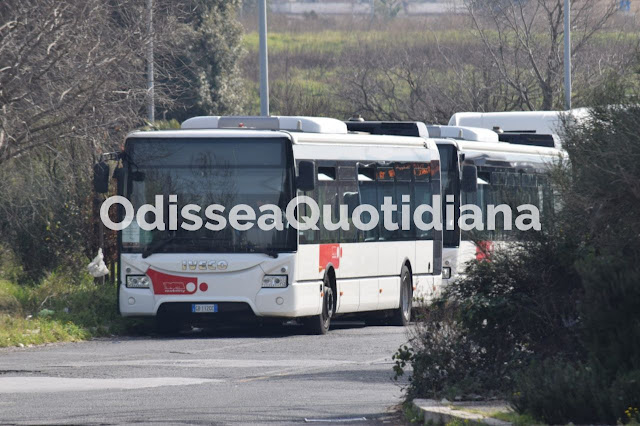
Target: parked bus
509, 169
312, 275
520, 122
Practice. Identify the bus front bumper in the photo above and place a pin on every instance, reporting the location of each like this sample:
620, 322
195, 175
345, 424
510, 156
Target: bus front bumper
298, 299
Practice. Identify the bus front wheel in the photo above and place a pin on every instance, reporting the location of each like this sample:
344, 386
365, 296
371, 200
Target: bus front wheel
402, 315
320, 324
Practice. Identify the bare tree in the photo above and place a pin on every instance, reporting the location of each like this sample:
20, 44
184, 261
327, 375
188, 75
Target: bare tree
62, 62
524, 39
428, 83
72, 83
75, 69
510, 59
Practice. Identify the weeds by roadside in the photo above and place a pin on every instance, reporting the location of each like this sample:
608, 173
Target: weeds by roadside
66, 305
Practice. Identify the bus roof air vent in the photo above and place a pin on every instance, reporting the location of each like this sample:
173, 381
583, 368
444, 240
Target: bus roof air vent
292, 123
395, 128
532, 139
463, 133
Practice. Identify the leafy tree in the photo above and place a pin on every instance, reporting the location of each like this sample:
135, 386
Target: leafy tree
207, 60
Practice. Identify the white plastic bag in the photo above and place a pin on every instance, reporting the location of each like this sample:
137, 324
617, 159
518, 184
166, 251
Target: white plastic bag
97, 268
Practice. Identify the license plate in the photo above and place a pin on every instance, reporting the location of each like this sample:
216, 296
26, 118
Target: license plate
204, 309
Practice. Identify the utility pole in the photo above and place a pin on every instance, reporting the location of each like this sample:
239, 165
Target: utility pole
150, 89
567, 55
264, 65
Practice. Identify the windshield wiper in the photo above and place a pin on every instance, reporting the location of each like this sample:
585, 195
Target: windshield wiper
152, 248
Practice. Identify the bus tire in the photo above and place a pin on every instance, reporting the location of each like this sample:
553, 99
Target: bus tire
402, 315
319, 324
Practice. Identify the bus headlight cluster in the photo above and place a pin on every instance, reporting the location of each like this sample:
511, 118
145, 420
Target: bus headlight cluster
138, 281
446, 272
274, 281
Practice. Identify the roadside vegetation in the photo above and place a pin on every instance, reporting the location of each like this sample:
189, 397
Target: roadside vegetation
64, 305
73, 83
551, 324
427, 68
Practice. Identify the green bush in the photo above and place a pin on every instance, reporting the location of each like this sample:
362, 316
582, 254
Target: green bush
505, 313
624, 397
609, 311
552, 323
445, 363
558, 391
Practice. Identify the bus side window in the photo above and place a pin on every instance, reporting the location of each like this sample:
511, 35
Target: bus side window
328, 196
404, 186
386, 189
348, 190
422, 195
368, 195
309, 236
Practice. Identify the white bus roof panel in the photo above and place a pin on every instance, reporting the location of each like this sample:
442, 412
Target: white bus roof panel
207, 133
362, 139
288, 123
463, 133
543, 122
364, 153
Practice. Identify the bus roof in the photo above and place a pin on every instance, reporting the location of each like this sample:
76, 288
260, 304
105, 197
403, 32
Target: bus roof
206, 133
544, 122
296, 137
463, 133
289, 123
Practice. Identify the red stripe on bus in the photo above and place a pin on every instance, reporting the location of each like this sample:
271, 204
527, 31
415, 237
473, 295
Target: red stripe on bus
329, 254
172, 284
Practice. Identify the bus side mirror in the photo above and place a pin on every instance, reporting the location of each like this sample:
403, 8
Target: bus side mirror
306, 180
101, 177
469, 178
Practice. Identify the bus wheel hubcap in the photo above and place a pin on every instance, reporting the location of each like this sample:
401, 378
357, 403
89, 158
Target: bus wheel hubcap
406, 306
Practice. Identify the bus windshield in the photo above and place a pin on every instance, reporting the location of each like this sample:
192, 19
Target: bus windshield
206, 171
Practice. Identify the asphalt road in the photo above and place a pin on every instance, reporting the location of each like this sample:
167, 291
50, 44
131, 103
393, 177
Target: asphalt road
246, 375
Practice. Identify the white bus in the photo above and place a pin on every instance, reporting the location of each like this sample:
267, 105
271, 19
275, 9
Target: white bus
512, 172
312, 275
523, 122
510, 168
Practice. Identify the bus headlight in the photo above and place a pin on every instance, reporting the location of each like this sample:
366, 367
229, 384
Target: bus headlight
274, 281
138, 281
446, 272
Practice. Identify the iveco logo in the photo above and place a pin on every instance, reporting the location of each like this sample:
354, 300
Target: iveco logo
203, 265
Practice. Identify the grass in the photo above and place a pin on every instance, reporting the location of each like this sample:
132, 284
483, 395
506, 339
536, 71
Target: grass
335, 42
507, 416
411, 413
315, 61
16, 331
515, 418
64, 306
